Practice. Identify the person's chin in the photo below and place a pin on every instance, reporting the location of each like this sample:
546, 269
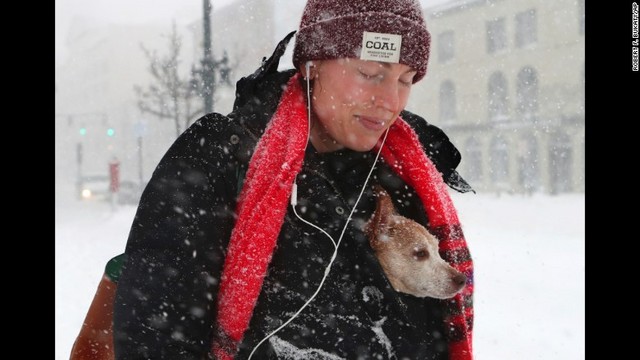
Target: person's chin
364, 145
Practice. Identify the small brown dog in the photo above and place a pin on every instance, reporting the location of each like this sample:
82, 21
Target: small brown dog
408, 253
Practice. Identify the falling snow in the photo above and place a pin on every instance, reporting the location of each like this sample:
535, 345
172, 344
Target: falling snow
519, 245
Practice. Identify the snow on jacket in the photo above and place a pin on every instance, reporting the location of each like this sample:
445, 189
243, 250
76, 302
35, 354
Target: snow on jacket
166, 297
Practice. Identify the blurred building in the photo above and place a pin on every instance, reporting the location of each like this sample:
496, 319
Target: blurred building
248, 31
506, 83
97, 117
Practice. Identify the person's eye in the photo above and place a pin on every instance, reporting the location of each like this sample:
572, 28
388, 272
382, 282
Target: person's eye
369, 76
406, 82
407, 79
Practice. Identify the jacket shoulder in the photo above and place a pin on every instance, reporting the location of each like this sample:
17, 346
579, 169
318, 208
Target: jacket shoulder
212, 138
439, 148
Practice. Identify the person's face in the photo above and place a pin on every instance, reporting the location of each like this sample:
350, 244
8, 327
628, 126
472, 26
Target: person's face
354, 101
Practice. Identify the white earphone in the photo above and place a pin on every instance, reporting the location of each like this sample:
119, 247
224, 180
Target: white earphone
307, 67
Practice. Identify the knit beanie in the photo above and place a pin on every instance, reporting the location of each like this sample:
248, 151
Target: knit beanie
379, 30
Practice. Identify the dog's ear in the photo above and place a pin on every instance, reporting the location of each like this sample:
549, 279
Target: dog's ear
378, 226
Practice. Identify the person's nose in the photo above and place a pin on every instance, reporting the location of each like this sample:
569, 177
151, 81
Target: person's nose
387, 96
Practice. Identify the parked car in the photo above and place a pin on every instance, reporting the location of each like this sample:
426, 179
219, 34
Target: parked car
96, 187
93, 187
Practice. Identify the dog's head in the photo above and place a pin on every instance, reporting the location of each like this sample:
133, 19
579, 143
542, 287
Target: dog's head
409, 254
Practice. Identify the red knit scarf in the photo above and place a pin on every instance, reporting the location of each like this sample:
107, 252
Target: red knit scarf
263, 203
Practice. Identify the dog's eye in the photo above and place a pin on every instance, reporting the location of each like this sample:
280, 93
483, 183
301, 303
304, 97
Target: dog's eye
421, 254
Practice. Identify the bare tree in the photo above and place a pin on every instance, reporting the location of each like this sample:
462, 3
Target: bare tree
169, 95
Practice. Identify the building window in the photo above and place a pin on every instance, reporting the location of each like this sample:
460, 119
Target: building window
498, 106
526, 28
527, 163
499, 163
581, 17
473, 160
447, 101
496, 35
445, 46
582, 164
582, 88
560, 163
527, 93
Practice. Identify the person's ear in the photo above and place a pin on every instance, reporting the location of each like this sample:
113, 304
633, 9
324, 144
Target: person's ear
309, 70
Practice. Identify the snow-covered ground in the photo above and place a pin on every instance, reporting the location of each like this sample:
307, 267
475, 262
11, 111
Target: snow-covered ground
529, 270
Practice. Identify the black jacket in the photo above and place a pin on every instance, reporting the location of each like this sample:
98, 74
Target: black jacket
166, 298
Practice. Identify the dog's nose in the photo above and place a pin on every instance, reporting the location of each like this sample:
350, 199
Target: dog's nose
459, 279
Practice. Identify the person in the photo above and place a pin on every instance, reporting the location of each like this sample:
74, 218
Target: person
248, 240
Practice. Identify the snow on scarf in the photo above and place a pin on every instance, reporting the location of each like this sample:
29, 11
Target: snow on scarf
263, 203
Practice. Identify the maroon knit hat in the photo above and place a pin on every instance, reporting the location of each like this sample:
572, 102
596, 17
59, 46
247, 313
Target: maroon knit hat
332, 29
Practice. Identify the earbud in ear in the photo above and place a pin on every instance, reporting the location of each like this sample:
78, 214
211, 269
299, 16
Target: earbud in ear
308, 66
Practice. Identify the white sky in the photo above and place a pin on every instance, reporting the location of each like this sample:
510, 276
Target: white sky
134, 12
528, 254
124, 11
